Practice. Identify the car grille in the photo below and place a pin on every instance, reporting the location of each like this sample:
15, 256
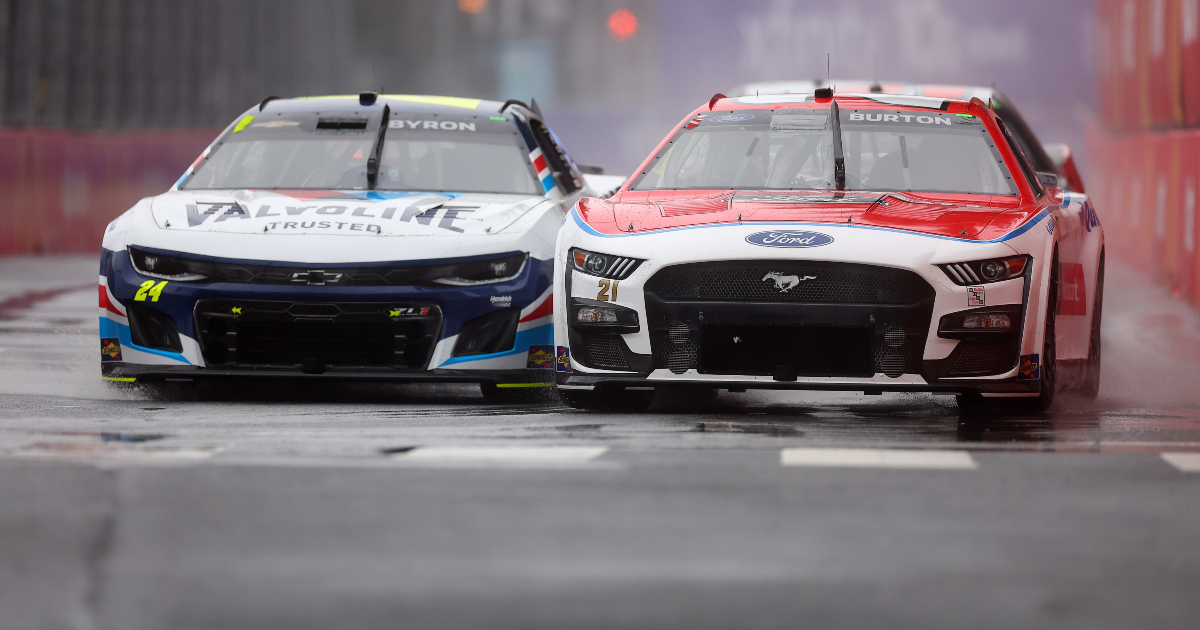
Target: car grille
603, 351
984, 357
801, 318
800, 350
789, 281
316, 336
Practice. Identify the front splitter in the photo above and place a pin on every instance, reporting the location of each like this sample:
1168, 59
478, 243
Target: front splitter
151, 373
591, 381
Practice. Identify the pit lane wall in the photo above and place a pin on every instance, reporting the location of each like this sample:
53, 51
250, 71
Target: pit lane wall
60, 188
1144, 150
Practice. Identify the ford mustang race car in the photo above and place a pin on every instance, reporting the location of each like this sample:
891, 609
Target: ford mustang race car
862, 242
373, 237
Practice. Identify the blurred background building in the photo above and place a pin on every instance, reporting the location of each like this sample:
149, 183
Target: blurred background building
105, 101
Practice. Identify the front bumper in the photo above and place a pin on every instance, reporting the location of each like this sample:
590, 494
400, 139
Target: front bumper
892, 343
374, 333
129, 372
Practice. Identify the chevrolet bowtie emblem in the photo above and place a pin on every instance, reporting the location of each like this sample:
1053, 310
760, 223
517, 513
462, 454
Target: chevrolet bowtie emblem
316, 277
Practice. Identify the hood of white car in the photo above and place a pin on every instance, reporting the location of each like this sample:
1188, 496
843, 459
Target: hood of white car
347, 213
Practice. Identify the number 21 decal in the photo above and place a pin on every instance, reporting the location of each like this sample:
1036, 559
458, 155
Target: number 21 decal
605, 287
149, 289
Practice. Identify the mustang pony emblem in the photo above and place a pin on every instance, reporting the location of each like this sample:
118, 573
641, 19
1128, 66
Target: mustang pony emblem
786, 283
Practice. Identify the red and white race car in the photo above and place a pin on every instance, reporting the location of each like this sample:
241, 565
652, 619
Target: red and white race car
862, 242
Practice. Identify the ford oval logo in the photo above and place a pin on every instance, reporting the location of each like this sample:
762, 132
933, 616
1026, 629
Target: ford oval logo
789, 239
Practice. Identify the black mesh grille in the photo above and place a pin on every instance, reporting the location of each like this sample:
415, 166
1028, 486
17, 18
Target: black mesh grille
789, 281
680, 352
604, 352
259, 333
984, 358
290, 343
802, 350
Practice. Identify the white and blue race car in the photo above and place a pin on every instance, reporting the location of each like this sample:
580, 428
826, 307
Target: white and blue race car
378, 237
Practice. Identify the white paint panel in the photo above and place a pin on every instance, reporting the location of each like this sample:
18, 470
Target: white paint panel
877, 458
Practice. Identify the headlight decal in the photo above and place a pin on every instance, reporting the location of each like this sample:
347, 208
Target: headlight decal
603, 265
155, 265
496, 269
986, 271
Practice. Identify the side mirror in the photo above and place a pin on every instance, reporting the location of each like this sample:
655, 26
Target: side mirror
1060, 154
1055, 194
1048, 179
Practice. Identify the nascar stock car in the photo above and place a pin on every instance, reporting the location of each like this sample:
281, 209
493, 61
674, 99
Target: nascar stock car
863, 242
384, 237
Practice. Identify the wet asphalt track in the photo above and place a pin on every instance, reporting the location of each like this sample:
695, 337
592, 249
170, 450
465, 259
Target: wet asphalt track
274, 506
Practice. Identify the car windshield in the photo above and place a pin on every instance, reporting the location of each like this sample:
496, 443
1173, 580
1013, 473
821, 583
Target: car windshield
420, 152
792, 149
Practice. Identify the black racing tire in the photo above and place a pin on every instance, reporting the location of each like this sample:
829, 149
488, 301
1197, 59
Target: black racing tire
607, 399
539, 393
1089, 388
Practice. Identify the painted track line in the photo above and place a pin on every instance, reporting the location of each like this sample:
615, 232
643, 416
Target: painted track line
1185, 462
502, 455
877, 458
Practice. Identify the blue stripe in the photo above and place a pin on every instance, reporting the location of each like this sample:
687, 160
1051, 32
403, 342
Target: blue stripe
109, 328
539, 336
548, 182
1015, 233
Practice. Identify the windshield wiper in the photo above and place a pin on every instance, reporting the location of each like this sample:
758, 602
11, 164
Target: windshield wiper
377, 150
839, 159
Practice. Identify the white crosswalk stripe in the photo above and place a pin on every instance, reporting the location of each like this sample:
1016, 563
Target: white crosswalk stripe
877, 458
1186, 462
504, 454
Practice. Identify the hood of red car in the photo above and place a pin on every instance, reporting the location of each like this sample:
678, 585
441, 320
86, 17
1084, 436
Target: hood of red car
976, 217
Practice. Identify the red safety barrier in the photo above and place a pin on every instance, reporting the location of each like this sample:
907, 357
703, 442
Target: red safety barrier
1146, 189
1133, 23
1190, 60
59, 189
1162, 40
1177, 258
1108, 61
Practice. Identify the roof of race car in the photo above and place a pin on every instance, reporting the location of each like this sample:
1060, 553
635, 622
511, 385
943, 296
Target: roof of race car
924, 102
956, 92
407, 103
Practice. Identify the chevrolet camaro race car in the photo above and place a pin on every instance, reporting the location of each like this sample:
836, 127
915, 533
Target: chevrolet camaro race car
373, 237
862, 242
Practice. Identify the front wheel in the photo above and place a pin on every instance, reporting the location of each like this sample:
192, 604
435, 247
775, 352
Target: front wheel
974, 403
1090, 387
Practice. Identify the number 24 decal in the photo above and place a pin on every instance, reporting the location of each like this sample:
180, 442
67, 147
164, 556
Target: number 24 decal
605, 286
151, 289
